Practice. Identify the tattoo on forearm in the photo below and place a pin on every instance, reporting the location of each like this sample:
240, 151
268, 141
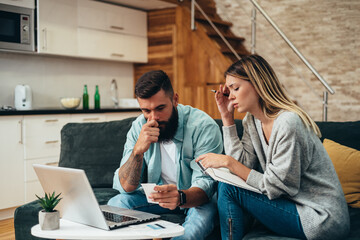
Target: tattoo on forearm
131, 170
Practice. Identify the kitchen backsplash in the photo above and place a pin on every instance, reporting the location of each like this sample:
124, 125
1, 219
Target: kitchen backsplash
52, 77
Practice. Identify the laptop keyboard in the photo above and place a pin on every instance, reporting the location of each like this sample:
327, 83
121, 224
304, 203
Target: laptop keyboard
113, 217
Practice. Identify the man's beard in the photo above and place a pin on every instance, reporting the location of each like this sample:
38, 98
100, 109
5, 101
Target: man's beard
168, 131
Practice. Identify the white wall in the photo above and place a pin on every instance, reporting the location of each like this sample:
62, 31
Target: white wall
53, 77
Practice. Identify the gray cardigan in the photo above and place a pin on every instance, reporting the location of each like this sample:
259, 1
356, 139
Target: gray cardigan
296, 166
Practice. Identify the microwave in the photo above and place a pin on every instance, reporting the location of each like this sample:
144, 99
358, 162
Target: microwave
17, 28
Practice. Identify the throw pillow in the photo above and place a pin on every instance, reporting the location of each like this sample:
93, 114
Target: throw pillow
347, 165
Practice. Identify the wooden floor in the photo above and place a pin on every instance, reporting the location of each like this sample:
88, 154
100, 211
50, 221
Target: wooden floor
7, 231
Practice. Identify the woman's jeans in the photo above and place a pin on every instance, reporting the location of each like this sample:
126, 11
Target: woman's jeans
199, 221
238, 207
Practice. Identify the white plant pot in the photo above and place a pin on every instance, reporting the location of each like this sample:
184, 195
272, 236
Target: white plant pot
49, 220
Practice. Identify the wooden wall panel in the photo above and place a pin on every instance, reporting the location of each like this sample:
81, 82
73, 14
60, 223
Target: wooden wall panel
192, 60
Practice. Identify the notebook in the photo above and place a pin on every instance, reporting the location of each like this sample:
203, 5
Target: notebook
79, 203
224, 175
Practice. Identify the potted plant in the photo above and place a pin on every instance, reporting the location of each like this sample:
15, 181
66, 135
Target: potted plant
49, 218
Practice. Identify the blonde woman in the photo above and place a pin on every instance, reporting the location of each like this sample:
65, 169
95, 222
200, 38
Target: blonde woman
280, 154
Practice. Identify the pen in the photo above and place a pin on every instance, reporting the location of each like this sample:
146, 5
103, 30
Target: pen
225, 94
159, 225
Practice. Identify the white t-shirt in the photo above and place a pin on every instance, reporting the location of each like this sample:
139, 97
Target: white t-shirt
168, 164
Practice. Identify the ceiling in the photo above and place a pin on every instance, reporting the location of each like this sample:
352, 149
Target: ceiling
142, 4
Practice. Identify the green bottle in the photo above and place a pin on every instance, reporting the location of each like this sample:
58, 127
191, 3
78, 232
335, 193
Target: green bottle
85, 98
97, 98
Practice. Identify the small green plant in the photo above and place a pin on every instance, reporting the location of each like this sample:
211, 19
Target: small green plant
48, 203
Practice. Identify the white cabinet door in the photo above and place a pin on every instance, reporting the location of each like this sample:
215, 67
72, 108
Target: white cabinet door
20, 3
42, 135
82, 118
32, 184
111, 46
111, 32
108, 17
11, 162
41, 146
57, 27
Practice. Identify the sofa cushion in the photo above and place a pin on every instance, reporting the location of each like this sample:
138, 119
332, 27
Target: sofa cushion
347, 165
354, 223
25, 217
96, 148
345, 133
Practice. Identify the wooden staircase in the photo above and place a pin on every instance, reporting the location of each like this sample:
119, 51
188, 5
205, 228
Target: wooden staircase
194, 60
224, 27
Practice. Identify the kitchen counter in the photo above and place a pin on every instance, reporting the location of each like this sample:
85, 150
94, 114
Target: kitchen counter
65, 111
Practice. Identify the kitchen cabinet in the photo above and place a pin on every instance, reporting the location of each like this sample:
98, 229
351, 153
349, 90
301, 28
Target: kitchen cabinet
79, 118
11, 162
111, 18
111, 32
20, 3
57, 27
42, 146
91, 29
29, 139
112, 46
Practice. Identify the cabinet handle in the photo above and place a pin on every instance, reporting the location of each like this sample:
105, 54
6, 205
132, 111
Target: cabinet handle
117, 28
21, 132
52, 163
117, 55
90, 119
49, 142
45, 39
52, 120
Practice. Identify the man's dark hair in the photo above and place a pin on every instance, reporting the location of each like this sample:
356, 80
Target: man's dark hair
151, 83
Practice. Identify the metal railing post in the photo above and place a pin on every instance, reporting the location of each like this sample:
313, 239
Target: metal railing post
193, 26
253, 31
305, 61
325, 106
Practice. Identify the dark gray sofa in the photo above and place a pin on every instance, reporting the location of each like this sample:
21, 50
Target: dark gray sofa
97, 148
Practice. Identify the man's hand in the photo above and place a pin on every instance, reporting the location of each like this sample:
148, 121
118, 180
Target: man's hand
149, 134
167, 196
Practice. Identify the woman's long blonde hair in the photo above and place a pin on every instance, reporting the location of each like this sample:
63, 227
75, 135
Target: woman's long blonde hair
273, 97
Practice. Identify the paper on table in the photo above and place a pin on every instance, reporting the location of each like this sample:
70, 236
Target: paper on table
224, 175
165, 226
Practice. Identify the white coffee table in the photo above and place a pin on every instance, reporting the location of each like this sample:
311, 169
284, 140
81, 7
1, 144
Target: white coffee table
72, 230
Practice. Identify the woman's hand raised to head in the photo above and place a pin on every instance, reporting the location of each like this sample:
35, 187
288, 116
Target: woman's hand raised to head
226, 109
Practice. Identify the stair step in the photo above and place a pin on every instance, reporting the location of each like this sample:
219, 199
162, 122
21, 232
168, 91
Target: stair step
218, 22
227, 36
227, 51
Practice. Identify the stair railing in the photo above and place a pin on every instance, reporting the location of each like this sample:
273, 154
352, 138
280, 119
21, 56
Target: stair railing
193, 27
297, 52
253, 45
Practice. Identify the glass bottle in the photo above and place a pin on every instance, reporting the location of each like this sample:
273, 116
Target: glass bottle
97, 98
85, 98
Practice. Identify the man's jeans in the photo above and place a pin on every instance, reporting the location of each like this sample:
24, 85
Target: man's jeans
242, 206
199, 221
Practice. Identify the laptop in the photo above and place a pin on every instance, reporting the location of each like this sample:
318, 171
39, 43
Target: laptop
79, 203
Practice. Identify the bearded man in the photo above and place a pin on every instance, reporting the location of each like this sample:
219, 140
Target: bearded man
165, 141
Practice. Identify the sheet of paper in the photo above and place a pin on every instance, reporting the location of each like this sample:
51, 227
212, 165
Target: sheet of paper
227, 177
148, 189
